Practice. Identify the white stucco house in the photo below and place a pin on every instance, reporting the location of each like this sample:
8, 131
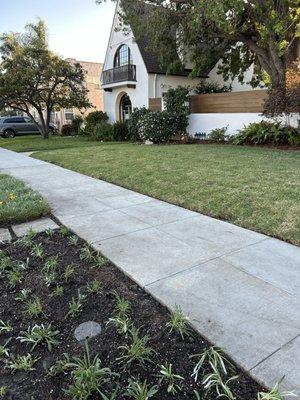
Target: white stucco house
132, 77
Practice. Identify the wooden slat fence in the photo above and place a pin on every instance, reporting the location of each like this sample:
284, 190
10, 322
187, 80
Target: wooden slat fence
232, 102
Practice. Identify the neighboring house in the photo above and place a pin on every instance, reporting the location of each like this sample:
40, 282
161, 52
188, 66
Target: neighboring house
132, 77
95, 94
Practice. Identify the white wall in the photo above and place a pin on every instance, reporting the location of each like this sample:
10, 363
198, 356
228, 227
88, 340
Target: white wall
200, 123
139, 95
158, 84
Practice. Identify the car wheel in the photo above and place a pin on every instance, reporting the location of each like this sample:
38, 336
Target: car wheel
9, 133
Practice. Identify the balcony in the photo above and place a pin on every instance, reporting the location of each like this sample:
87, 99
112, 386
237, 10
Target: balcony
112, 77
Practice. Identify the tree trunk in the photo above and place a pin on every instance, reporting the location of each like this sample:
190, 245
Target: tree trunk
44, 127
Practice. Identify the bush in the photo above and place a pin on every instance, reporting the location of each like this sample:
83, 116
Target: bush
76, 124
92, 120
176, 101
265, 132
211, 87
120, 131
103, 132
158, 126
133, 121
67, 130
218, 134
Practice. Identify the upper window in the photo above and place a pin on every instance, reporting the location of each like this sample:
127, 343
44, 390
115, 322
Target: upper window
14, 120
122, 56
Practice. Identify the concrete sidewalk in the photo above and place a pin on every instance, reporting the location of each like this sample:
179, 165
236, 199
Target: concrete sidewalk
240, 288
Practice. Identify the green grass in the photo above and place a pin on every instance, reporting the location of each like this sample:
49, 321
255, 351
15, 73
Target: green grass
19, 203
255, 188
36, 142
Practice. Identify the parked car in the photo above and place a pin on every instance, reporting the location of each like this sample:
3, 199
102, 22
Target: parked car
12, 126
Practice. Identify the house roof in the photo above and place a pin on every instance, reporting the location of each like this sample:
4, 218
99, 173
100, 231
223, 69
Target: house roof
151, 60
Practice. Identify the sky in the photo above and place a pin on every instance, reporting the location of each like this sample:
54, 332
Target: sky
77, 28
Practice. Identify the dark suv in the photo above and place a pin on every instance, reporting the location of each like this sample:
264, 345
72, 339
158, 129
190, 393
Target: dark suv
12, 126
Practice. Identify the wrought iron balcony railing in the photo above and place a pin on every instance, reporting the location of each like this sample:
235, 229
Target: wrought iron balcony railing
119, 74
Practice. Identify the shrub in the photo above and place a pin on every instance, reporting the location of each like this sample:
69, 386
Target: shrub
211, 87
133, 121
67, 130
92, 120
265, 132
120, 131
218, 134
102, 132
176, 101
76, 124
158, 126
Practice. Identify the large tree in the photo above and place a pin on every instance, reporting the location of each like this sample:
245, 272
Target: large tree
33, 77
240, 33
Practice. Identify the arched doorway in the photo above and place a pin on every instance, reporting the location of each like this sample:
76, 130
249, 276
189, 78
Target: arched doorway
125, 107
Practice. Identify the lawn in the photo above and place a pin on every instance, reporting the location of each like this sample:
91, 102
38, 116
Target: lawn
19, 203
36, 142
257, 188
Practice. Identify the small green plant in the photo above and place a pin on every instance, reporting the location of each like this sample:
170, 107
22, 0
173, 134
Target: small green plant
88, 376
49, 232
5, 263
34, 307
73, 240
23, 295
218, 134
15, 277
58, 291
3, 391
5, 327
94, 287
215, 356
122, 306
50, 278
40, 334
4, 351
60, 366
172, 380
86, 253
100, 261
51, 264
76, 304
138, 390
26, 240
137, 351
38, 251
22, 363
214, 381
64, 231
69, 273
179, 323
274, 394
122, 324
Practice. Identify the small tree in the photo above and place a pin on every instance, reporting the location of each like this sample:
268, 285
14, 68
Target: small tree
33, 77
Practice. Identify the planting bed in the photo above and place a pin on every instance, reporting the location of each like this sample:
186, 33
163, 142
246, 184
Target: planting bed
149, 316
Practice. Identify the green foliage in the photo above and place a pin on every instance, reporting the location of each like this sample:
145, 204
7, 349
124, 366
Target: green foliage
34, 307
176, 101
5, 327
58, 291
4, 350
179, 323
37, 251
214, 356
60, 366
23, 295
94, 287
133, 122
122, 306
121, 323
138, 390
40, 334
171, 379
211, 87
88, 376
137, 351
22, 363
214, 381
76, 304
86, 253
69, 273
160, 126
102, 132
64, 231
67, 130
33, 76
3, 391
100, 261
271, 133
73, 240
274, 394
77, 124
218, 134
94, 118
120, 131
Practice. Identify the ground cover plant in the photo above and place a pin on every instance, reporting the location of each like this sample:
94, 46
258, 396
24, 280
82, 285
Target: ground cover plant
19, 203
257, 188
155, 357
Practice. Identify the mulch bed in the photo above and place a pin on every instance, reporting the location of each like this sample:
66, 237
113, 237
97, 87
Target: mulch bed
147, 314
